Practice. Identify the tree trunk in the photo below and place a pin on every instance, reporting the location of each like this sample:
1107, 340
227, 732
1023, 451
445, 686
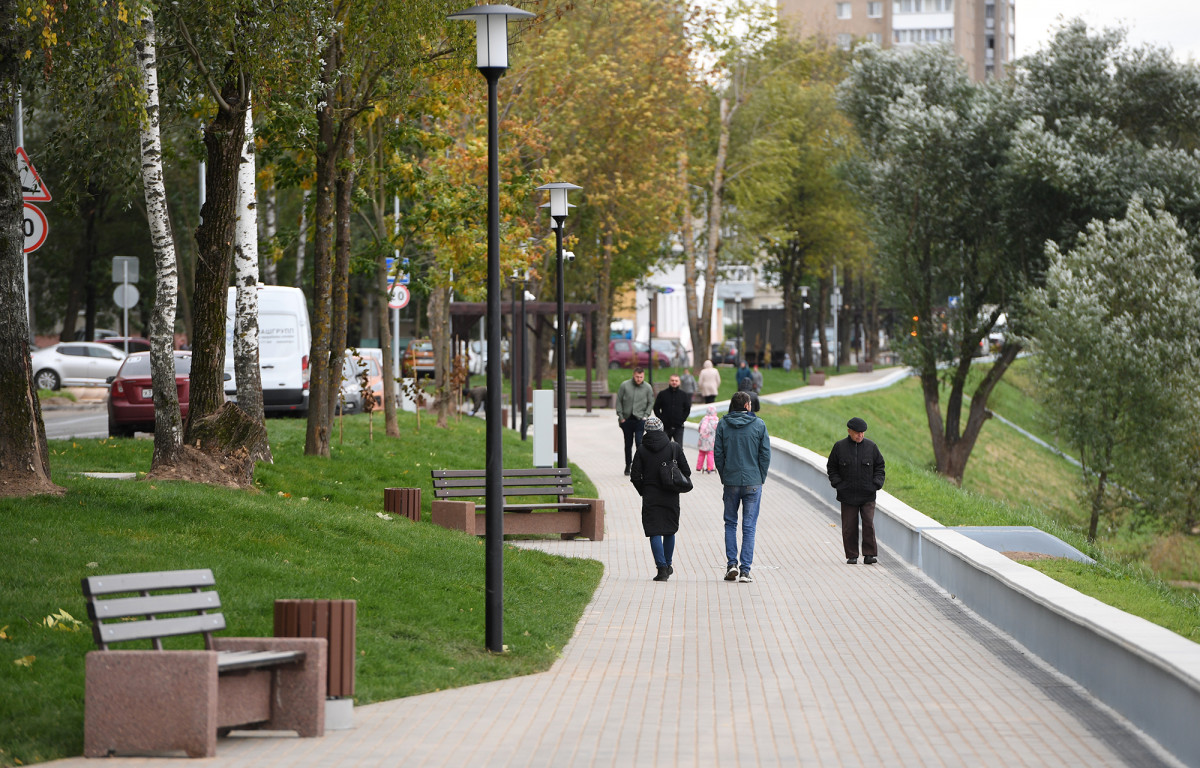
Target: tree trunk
1097, 507
301, 238
439, 336
168, 426
604, 298
24, 458
700, 350
340, 287
245, 259
316, 439
716, 194
214, 239
391, 425
269, 265
90, 206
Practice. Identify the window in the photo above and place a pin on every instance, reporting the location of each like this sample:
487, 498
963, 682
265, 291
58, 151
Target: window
875, 37
843, 10
874, 10
843, 41
918, 36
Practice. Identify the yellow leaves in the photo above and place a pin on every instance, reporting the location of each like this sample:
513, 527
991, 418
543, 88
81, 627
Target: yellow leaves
122, 13
25, 661
28, 53
62, 621
4, 633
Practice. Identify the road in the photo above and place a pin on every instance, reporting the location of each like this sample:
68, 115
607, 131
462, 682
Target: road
89, 420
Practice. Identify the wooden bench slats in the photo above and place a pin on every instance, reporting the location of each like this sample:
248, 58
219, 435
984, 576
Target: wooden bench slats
154, 605
551, 505
142, 582
507, 482
125, 631
547, 472
525, 490
228, 661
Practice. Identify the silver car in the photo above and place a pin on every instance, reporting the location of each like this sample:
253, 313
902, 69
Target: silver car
75, 364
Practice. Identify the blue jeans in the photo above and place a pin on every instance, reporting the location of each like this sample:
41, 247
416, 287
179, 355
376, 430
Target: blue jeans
748, 497
662, 547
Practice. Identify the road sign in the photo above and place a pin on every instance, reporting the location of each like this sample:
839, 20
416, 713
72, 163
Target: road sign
32, 188
394, 277
35, 228
125, 295
399, 296
120, 263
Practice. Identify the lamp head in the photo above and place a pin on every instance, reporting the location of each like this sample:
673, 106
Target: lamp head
491, 32
558, 197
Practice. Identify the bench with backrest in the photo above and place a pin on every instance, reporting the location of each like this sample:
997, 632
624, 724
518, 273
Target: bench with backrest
535, 501
155, 700
601, 397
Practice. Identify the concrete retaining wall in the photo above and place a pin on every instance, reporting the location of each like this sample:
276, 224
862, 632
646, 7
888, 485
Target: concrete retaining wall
1147, 673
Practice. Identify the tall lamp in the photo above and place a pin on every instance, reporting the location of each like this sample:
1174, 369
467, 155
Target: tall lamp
558, 214
491, 45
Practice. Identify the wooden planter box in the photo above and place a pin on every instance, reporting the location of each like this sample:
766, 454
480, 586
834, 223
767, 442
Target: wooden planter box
866, 367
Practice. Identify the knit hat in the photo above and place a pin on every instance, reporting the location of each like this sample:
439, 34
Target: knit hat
857, 424
653, 424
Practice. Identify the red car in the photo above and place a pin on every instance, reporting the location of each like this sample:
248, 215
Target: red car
626, 353
131, 395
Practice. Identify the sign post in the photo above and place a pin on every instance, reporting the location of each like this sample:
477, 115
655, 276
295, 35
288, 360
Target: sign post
34, 226
125, 269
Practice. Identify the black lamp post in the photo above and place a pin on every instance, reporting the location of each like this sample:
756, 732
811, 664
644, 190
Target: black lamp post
491, 40
519, 282
806, 343
558, 213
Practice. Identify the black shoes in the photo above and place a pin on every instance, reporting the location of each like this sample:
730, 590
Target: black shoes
664, 573
869, 560
626, 471
851, 560
731, 574
670, 570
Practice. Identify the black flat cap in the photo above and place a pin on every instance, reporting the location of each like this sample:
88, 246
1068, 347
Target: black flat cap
857, 424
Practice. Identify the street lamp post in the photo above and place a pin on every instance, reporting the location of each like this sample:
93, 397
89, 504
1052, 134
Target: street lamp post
740, 355
519, 282
559, 207
491, 46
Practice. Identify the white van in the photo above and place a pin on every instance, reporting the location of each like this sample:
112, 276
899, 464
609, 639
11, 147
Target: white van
284, 341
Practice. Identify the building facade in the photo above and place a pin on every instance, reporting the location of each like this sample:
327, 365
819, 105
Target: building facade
982, 32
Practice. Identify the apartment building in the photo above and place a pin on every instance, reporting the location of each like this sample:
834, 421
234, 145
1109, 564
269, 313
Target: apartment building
982, 32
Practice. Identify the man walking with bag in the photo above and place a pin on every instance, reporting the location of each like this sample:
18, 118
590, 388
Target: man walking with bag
855, 469
743, 454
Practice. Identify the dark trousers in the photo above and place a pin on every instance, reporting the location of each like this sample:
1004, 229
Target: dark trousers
633, 428
710, 398
850, 516
675, 433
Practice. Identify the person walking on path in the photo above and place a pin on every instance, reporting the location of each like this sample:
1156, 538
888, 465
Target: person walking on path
687, 383
710, 382
660, 502
635, 399
742, 450
743, 374
756, 377
673, 407
747, 386
855, 469
708, 436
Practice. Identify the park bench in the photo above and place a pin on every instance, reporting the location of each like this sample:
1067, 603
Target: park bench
536, 501
155, 700
601, 397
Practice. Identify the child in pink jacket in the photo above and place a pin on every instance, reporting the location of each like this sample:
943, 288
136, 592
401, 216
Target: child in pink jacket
708, 439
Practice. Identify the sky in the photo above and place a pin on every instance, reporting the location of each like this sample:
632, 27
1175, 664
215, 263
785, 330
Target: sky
1171, 23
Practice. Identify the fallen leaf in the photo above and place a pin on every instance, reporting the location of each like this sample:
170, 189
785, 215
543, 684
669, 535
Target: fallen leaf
25, 661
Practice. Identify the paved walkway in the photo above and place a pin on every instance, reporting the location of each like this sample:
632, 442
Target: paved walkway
817, 663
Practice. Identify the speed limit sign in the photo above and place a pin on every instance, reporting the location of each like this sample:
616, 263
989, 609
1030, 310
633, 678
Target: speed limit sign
34, 228
399, 296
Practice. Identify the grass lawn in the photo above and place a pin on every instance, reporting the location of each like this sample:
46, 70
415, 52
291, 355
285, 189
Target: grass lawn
1009, 481
311, 530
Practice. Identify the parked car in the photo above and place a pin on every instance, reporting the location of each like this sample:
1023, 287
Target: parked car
75, 364
673, 349
626, 353
724, 353
284, 340
97, 333
131, 393
127, 344
352, 366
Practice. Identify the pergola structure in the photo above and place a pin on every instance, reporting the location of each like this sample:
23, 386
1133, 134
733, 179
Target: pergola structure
464, 316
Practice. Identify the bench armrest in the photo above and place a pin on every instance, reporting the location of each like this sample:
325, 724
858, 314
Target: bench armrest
299, 693
591, 521
455, 515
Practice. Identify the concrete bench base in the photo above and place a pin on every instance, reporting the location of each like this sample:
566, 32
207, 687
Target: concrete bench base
465, 516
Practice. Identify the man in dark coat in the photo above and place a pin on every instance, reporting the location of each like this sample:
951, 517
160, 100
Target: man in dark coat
855, 469
650, 475
673, 406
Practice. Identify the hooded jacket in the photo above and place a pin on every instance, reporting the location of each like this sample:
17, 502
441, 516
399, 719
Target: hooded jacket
660, 505
710, 380
742, 449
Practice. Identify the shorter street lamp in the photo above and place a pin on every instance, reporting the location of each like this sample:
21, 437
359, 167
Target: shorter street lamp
806, 344
559, 207
491, 49
519, 282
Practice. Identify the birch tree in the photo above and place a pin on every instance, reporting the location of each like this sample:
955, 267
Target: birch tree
245, 264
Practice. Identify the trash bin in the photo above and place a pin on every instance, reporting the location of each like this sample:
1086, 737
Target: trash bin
403, 501
333, 620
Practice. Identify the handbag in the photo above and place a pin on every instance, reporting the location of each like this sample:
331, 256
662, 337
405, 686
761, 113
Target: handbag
674, 478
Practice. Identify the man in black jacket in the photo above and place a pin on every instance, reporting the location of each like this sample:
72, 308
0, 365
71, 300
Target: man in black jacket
673, 406
855, 469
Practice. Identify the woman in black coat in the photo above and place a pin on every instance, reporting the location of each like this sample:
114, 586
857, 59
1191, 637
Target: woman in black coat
650, 475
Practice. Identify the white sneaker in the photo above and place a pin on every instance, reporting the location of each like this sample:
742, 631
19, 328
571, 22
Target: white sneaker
745, 578
732, 573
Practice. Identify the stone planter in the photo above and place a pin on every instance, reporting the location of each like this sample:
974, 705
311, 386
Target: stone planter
816, 379
866, 367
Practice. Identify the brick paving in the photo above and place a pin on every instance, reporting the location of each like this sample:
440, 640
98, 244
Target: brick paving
817, 663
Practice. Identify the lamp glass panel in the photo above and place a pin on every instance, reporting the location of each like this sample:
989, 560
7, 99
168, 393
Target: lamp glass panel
558, 202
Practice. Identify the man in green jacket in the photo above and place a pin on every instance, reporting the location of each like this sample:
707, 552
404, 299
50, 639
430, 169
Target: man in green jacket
743, 455
635, 400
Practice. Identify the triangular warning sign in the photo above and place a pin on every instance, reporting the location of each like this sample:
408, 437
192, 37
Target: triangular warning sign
32, 188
